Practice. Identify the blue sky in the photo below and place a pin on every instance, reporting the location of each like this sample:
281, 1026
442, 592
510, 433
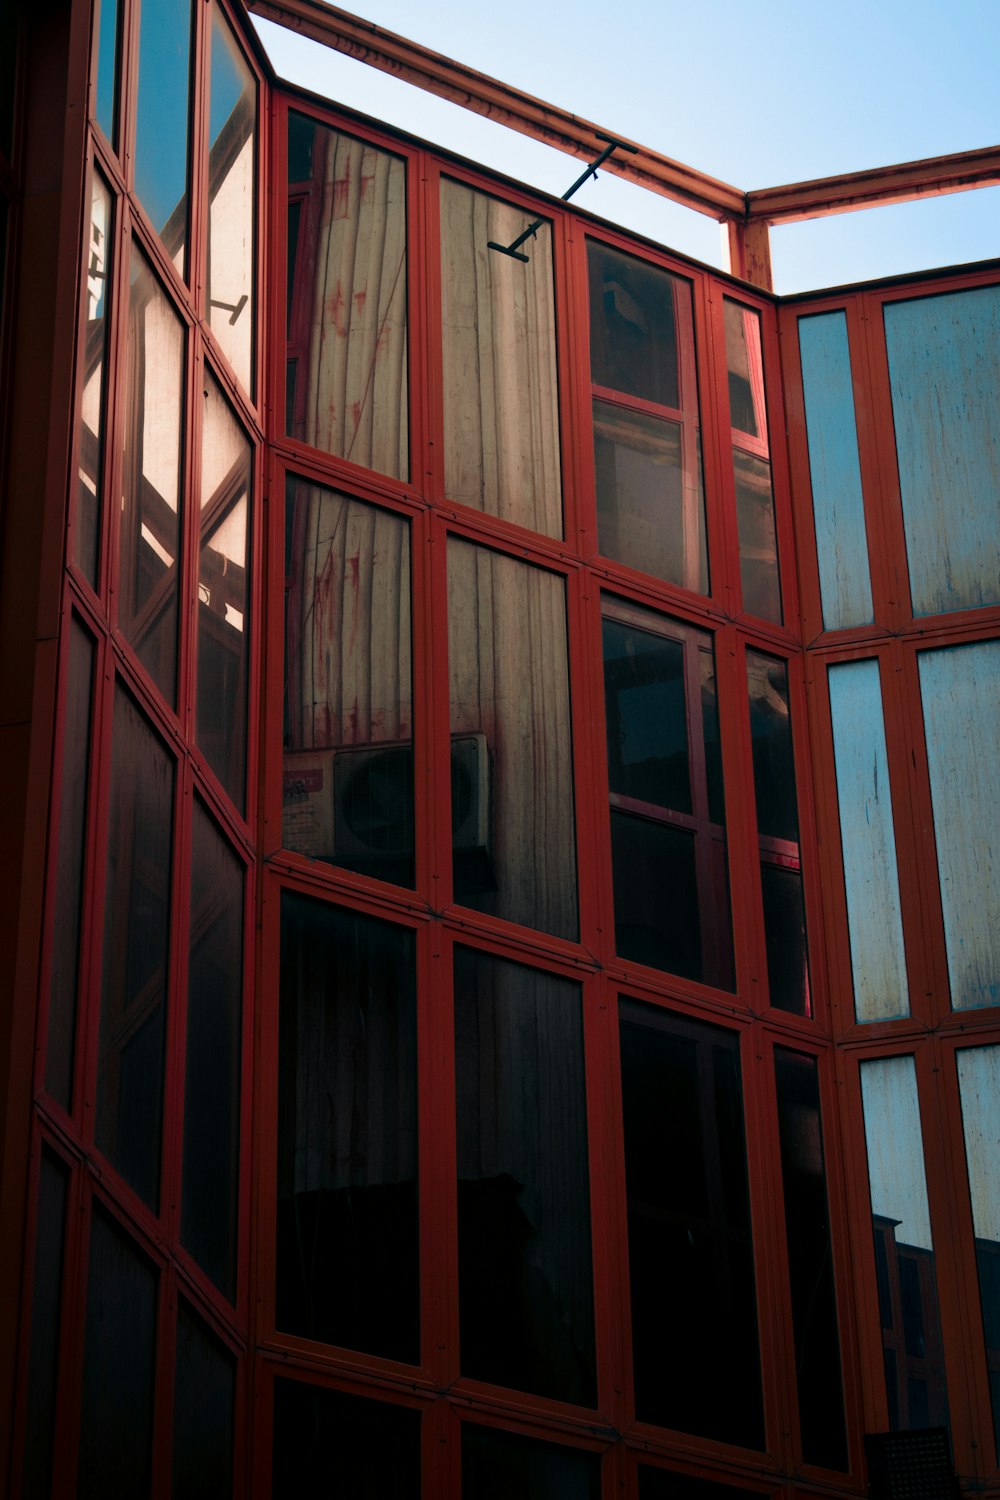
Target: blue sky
786, 91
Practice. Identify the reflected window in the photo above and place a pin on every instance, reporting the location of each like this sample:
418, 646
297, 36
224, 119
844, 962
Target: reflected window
107, 70
232, 130
346, 357
162, 124
328, 1442
647, 452
497, 1465
751, 463
204, 1400
668, 836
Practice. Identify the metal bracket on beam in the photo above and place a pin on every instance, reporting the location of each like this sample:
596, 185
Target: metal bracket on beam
513, 249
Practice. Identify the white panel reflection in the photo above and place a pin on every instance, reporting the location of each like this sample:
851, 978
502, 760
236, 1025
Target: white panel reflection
896, 1148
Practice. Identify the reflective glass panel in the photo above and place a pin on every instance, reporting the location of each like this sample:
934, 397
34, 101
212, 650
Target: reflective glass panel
751, 463
497, 1465
979, 1086
524, 1264
346, 386
223, 594
152, 478
231, 129
348, 761
810, 1264
328, 1443
650, 505
868, 842
136, 941
512, 784
46, 1314
501, 407
691, 1273
162, 121
93, 357
107, 70
635, 310
69, 871
904, 1249
778, 833
204, 1395
116, 1421
347, 1255
835, 471
944, 371
960, 691
668, 834
212, 1067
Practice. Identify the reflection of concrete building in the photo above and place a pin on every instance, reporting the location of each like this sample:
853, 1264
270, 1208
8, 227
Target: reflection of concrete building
500, 845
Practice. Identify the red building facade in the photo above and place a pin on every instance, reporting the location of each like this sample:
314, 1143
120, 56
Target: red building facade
502, 836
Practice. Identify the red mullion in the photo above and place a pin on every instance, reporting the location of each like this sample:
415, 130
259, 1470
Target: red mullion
777, 422
600, 938
682, 1467
198, 207
128, 87
72, 1332
176, 1001
745, 899
573, 355
716, 448
608, 1215
583, 1437
116, 414
423, 301
271, 304
887, 539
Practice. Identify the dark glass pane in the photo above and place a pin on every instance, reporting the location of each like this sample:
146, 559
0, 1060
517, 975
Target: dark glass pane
525, 1270
348, 764
161, 125
758, 541
69, 871
93, 355
745, 370
663, 1484
136, 939
46, 1309
347, 1261
633, 327
500, 395
116, 1420
778, 833
152, 479
204, 1383
212, 1067
106, 90
979, 1090
694, 1325
650, 504
515, 848
810, 1265
9, 29
347, 328
231, 128
223, 594
499, 1465
664, 765
327, 1443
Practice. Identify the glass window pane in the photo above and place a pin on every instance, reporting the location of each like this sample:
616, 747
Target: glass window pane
778, 833
751, 464
232, 129
525, 1271
46, 1315
868, 843
348, 763
161, 123
960, 689
152, 479
694, 1324
107, 69
346, 355
136, 941
329, 1443
810, 1264
116, 1422
501, 405
93, 356
835, 472
497, 1465
69, 871
979, 1086
635, 309
944, 370
650, 505
347, 1265
204, 1394
904, 1249
668, 833
212, 1067
223, 594
515, 847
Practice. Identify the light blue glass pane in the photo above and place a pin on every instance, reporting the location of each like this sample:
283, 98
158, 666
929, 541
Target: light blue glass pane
960, 688
979, 1086
869, 848
896, 1149
107, 67
944, 369
838, 506
161, 126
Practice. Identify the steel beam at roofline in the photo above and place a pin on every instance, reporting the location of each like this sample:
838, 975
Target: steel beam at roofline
932, 177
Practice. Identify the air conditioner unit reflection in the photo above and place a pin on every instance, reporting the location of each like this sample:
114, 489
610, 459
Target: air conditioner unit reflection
354, 807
